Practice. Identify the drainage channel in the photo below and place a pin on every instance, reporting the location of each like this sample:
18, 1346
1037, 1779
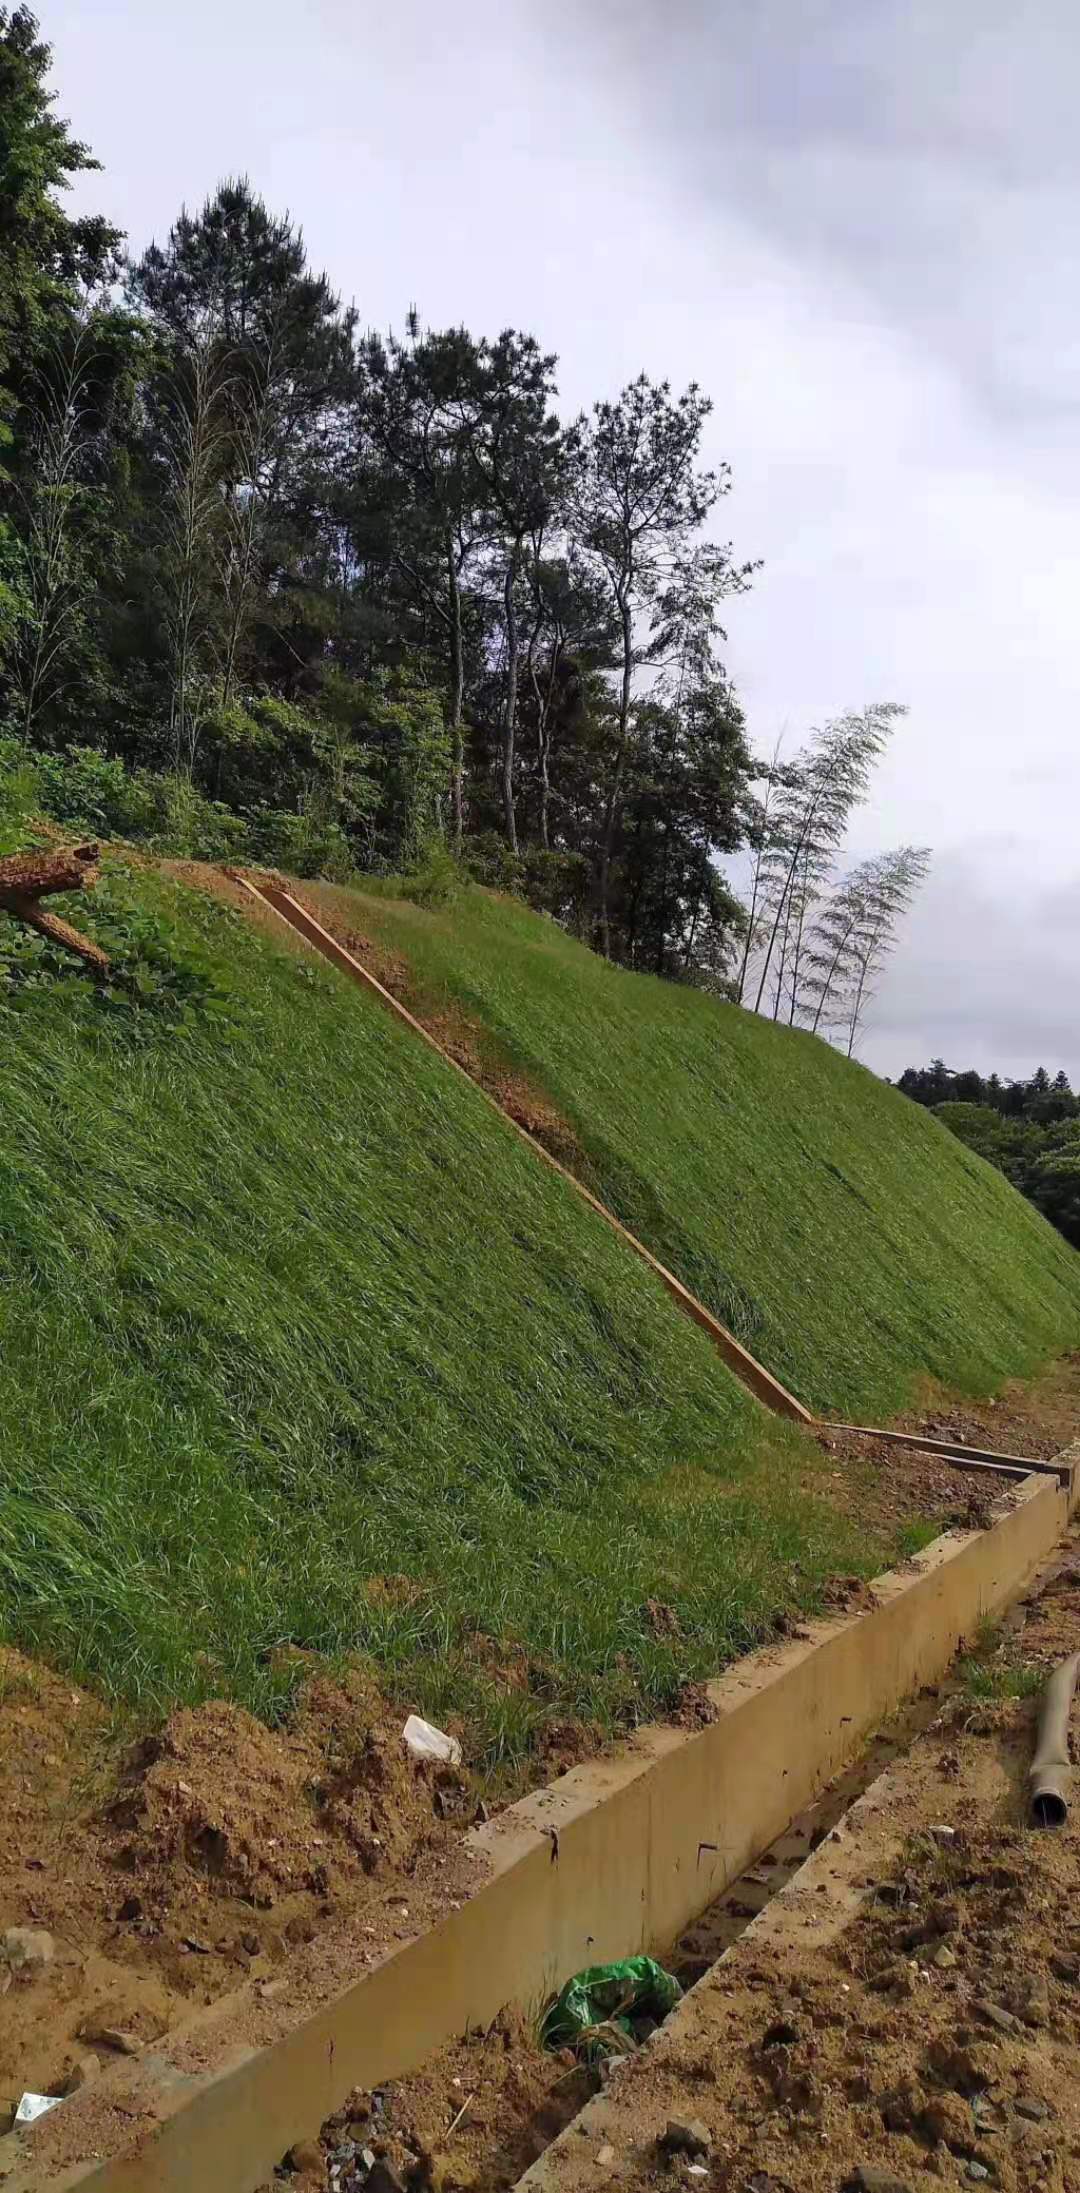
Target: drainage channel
479, 2114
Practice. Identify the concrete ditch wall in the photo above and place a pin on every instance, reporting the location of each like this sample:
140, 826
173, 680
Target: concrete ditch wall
620, 1854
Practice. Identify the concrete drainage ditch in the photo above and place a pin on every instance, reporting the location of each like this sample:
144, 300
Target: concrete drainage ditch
623, 1853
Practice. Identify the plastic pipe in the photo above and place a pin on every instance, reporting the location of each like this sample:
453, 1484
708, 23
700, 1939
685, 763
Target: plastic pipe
1051, 1768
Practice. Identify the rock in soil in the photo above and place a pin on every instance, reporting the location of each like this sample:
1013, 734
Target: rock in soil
115, 2037
27, 1949
686, 2136
82, 2071
306, 2156
993, 2014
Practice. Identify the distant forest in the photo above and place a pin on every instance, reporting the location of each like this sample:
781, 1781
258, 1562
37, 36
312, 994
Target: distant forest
279, 587
1029, 1129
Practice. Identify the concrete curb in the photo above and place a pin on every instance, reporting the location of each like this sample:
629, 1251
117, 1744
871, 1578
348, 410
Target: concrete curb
620, 1854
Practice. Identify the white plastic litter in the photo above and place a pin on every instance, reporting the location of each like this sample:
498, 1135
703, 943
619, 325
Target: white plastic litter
35, 2105
426, 1742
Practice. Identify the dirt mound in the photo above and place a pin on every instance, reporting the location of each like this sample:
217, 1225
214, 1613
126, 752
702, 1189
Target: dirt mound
219, 1807
168, 1869
474, 2118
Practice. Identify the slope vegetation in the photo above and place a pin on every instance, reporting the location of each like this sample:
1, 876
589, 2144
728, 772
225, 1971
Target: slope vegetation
298, 1345
839, 1231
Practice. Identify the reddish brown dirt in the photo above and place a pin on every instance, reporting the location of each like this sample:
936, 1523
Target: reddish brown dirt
169, 1869
925, 2025
930, 2027
473, 2119
896, 1485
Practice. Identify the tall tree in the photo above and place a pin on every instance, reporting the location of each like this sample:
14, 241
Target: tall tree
195, 425
686, 785
46, 259
518, 449
808, 822
282, 357
47, 263
639, 497
571, 635
416, 415
854, 933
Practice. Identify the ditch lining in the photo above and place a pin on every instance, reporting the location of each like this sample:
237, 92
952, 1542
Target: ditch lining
620, 1854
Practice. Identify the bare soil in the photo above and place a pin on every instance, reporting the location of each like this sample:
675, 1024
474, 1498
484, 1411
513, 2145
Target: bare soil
168, 1869
909, 2007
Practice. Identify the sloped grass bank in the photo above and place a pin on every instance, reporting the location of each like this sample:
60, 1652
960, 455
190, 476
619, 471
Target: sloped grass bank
838, 1230
297, 1343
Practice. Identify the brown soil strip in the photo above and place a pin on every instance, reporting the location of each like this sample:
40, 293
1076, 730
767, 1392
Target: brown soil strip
910, 2007
167, 1869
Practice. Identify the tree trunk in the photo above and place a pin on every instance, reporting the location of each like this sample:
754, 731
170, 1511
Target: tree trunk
27, 877
57, 931
543, 734
513, 656
830, 978
612, 804
33, 875
457, 693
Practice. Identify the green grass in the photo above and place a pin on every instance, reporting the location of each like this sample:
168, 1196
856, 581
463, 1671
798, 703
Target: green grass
285, 1307
838, 1229
995, 1668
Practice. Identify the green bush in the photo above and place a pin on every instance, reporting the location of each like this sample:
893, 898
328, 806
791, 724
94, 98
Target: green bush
304, 844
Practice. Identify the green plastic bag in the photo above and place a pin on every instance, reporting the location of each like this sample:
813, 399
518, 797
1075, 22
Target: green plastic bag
597, 2006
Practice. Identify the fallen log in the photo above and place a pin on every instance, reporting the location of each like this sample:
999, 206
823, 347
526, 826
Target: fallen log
57, 931
35, 874
27, 877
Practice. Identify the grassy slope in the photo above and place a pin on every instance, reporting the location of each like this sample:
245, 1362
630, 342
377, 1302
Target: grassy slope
283, 1306
837, 1228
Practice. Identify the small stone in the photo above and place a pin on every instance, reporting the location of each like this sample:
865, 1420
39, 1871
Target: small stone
1034, 2002
250, 1943
196, 1945
898, 1979
977, 2170
306, 2155
943, 1834
944, 1958
993, 2014
112, 2036
868, 2180
986, 2118
944, 2119
381, 2179
686, 2136
83, 2069
27, 1948
1029, 2106
1065, 1968
605, 2156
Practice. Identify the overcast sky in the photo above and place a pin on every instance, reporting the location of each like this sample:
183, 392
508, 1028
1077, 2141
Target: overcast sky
855, 223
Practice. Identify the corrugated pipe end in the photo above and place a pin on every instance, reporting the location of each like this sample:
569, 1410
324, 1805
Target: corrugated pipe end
1051, 1768
1050, 1796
